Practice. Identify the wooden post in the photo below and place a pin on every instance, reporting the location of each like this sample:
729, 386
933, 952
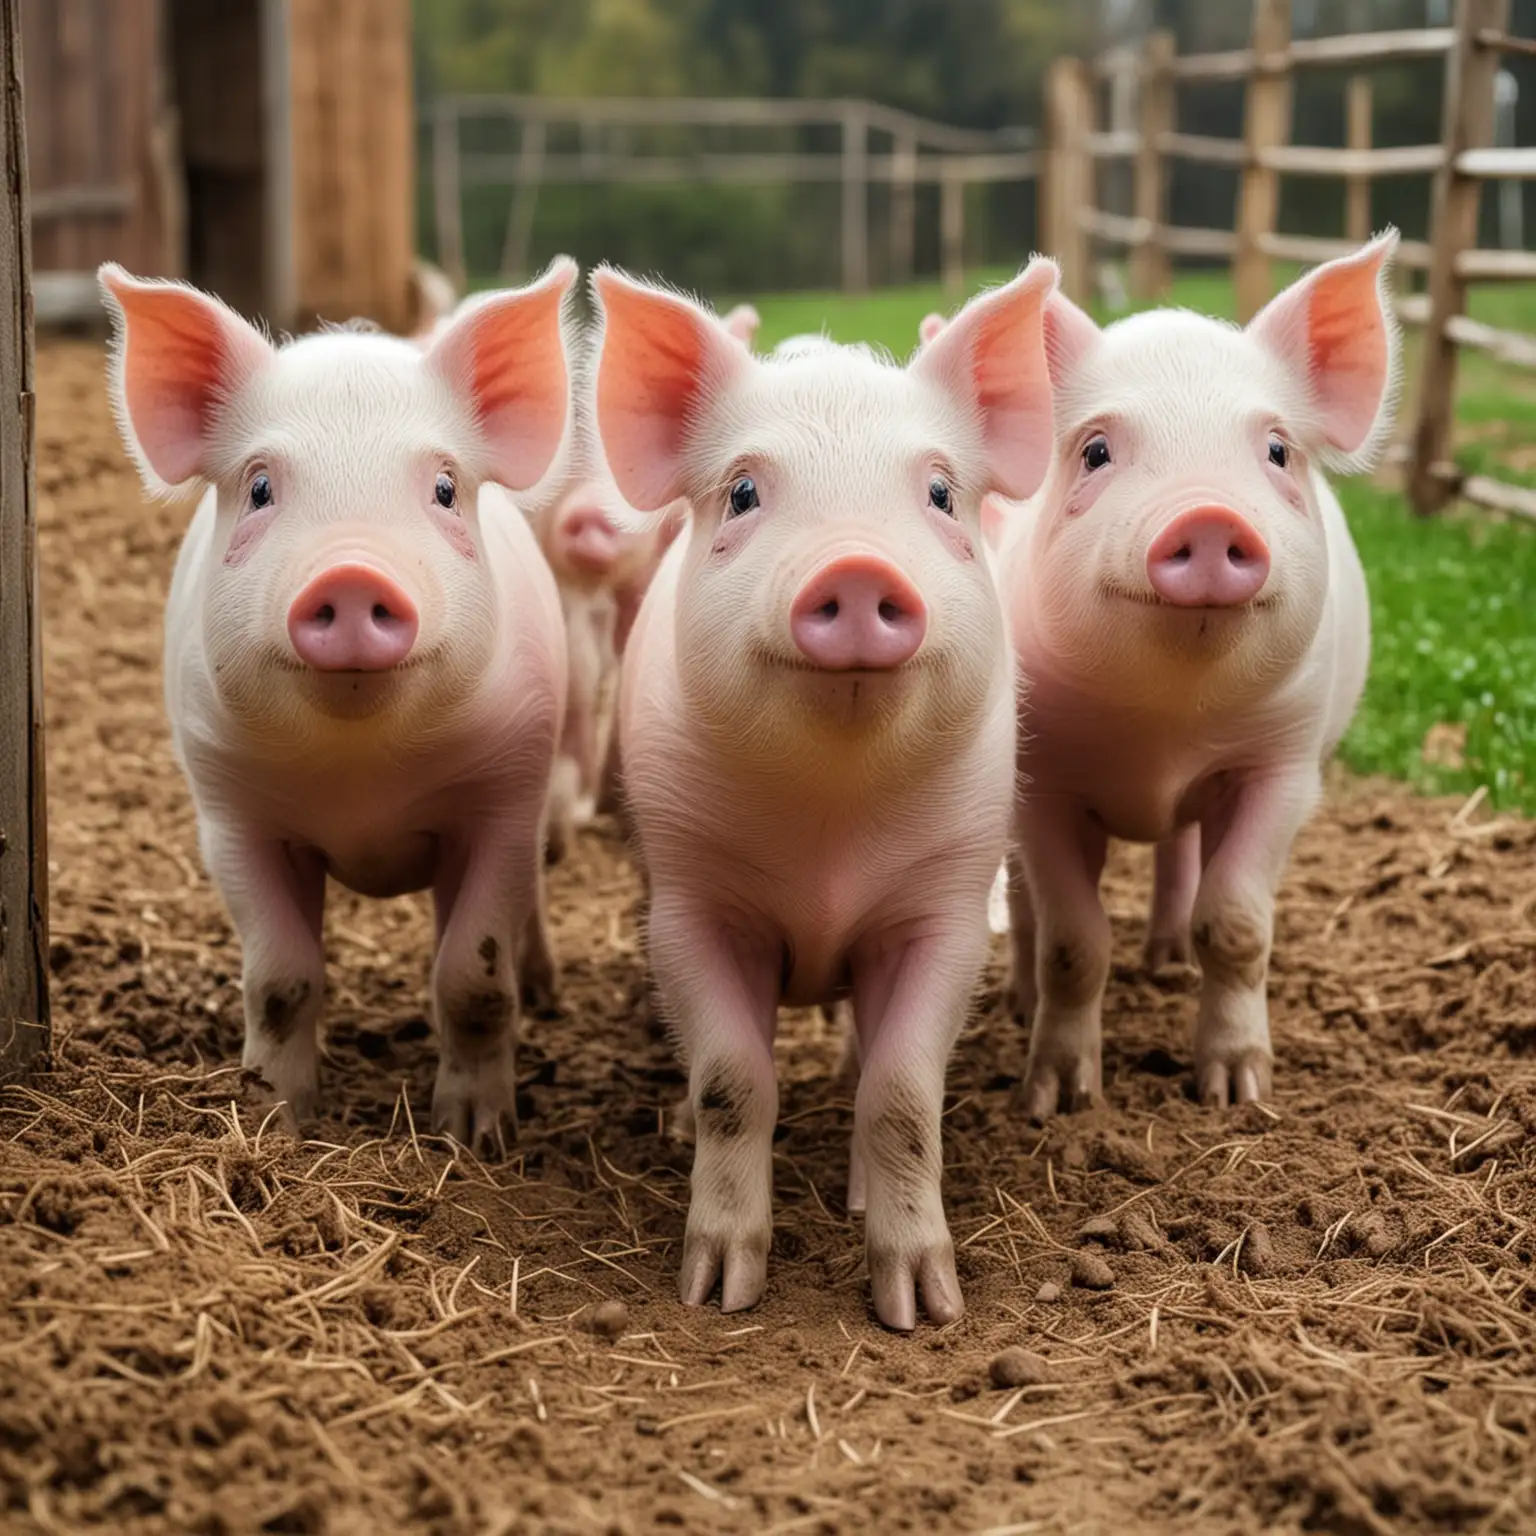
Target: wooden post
855, 199
1068, 179
23, 824
1358, 101
952, 229
1267, 125
903, 208
518, 245
447, 203
1468, 124
1150, 274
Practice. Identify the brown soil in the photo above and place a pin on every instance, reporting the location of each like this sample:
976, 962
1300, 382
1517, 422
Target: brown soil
1317, 1315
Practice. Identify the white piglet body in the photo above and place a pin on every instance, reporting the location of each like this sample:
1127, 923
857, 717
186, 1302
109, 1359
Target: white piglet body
817, 716
365, 659
1191, 620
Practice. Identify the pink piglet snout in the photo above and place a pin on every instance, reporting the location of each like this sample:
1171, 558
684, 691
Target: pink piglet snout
352, 618
588, 541
1208, 557
858, 613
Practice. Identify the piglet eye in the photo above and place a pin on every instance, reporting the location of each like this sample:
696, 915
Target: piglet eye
1279, 454
939, 497
743, 497
445, 492
261, 492
1096, 453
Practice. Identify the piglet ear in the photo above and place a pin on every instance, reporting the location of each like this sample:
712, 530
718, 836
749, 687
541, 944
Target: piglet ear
178, 358
505, 354
1336, 332
742, 323
662, 357
992, 355
1070, 335
930, 326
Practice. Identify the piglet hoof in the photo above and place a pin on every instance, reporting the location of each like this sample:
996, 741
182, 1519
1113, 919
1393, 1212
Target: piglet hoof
858, 1184
477, 1107
737, 1259
1165, 950
1019, 1001
1067, 1086
1243, 1078
292, 1114
898, 1273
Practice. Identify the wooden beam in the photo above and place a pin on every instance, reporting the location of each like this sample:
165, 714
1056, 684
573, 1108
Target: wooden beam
1069, 173
1203, 148
1362, 163
447, 201
952, 233
1151, 274
1267, 126
1468, 125
1498, 164
755, 169
23, 807
1498, 495
904, 209
517, 247
855, 200
1502, 42
1359, 105
1513, 348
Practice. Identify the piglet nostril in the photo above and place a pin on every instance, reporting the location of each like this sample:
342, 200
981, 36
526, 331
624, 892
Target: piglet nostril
381, 614
326, 614
829, 609
889, 612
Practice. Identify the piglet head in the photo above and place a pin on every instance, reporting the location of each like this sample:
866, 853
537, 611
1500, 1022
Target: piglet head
833, 580
1181, 516
346, 576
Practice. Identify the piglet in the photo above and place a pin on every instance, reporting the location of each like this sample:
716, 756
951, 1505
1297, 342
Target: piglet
364, 656
817, 718
1191, 619
603, 554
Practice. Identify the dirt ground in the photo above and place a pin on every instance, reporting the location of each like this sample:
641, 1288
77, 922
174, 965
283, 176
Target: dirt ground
1317, 1315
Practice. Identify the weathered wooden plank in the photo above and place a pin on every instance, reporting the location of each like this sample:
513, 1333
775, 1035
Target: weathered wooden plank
1468, 125
1266, 126
23, 834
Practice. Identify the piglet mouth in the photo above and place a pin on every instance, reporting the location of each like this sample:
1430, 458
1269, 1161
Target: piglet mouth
1147, 598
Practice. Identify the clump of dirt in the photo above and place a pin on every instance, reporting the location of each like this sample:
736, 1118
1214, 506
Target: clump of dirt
1319, 1316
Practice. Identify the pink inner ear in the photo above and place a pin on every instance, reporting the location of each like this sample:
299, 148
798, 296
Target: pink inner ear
519, 382
1347, 351
1069, 335
648, 381
183, 355
1002, 335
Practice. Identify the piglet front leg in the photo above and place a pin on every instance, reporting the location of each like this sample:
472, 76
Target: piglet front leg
276, 897
1176, 879
490, 941
910, 998
719, 988
1248, 838
1063, 855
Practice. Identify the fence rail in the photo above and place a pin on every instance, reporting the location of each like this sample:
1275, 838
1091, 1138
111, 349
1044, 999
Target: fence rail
1464, 160
921, 153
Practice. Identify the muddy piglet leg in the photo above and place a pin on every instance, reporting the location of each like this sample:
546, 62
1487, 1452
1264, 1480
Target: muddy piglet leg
1176, 879
487, 895
1246, 846
1020, 996
910, 999
1063, 854
719, 990
277, 900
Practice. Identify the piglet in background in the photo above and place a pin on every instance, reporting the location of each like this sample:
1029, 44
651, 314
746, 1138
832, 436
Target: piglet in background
604, 556
817, 716
364, 654
1191, 620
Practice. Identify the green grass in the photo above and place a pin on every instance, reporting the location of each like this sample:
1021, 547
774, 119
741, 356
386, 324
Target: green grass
1453, 598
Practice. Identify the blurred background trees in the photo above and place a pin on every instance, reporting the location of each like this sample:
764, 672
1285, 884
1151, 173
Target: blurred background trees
971, 63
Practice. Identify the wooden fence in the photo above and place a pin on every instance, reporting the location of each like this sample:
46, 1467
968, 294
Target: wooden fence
919, 153
23, 843
1078, 143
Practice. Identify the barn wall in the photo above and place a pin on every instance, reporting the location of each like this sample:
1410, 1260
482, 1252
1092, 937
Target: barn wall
23, 837
352, 146
105, 182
